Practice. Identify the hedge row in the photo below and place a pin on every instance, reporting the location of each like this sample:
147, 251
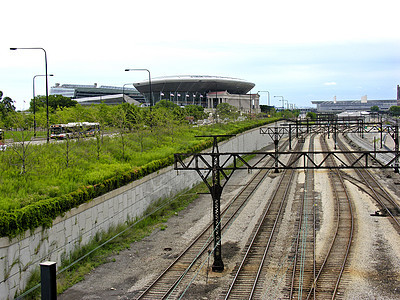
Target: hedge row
43, 212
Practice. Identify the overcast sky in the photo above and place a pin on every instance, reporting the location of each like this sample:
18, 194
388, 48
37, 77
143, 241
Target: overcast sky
301, 50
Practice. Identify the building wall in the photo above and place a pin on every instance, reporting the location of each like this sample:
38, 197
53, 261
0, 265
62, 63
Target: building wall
241, 102
21, 255
340, 106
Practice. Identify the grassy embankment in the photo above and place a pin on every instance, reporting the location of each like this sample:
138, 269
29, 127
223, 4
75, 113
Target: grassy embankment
120, 238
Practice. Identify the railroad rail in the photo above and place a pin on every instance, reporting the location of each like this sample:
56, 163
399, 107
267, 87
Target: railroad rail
173, 281
384, 157
388, 205
248, 280
330, 269
302, 271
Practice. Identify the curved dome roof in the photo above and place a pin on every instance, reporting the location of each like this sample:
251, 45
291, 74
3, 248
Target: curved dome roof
195, 83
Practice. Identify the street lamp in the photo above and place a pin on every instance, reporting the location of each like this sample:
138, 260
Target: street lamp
34, 104
250, 102
264, 92
151, 93
287, 104
47, 84
123, 90
283, 102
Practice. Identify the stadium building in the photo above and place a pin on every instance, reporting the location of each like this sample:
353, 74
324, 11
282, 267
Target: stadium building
206, 91
203, 90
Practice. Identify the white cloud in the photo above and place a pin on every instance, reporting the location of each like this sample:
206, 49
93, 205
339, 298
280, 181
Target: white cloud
330, 83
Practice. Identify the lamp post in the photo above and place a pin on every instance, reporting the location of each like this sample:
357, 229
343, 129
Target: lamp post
250, 102
34, 104
47, 84
264, 92
151, 93
283, 102
123, 90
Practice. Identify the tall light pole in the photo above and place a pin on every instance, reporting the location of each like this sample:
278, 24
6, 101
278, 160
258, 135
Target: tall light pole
34, 104
250, 102
123, 90
265, 92
151, 93
47, 84
283, 102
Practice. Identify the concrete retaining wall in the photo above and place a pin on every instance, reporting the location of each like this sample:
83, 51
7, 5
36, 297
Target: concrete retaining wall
20, 256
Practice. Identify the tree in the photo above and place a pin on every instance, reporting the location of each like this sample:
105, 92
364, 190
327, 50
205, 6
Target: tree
267, 109
22, 141
395, 110
166, 104
195, 111
6, 105
375, 108
55, 101
227, 111
121, 123
311, 115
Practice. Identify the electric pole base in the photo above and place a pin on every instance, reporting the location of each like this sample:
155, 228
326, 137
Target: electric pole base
218, 266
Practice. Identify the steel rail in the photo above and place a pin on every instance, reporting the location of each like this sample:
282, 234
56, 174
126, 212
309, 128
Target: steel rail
309, 186
286, 177
376, 188
252, 185
337, 181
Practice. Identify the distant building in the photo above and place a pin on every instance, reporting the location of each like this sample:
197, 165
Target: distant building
352, 105
398, 95
92, 94
203, 90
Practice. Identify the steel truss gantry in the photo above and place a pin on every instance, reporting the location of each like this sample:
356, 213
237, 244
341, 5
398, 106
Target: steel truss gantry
301, 127
214, 166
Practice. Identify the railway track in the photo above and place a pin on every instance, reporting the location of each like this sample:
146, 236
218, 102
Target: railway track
309, 277
388, 205
302, 271
312, 276
247, 283
173, 282
330, 268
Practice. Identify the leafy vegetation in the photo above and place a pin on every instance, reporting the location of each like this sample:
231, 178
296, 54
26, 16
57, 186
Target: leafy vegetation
39, 182
55, 101
375, 108
6, 107
395, 110
311, 115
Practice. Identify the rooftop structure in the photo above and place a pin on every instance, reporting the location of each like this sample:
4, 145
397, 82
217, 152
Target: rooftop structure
203, 90
108, 99
79, 91
356, 105
353, 105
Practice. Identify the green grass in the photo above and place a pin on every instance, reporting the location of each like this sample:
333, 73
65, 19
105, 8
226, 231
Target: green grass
50, 174
117, 239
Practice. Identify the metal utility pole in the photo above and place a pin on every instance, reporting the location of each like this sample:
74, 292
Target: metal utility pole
151, 92
215, 187
47, 85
